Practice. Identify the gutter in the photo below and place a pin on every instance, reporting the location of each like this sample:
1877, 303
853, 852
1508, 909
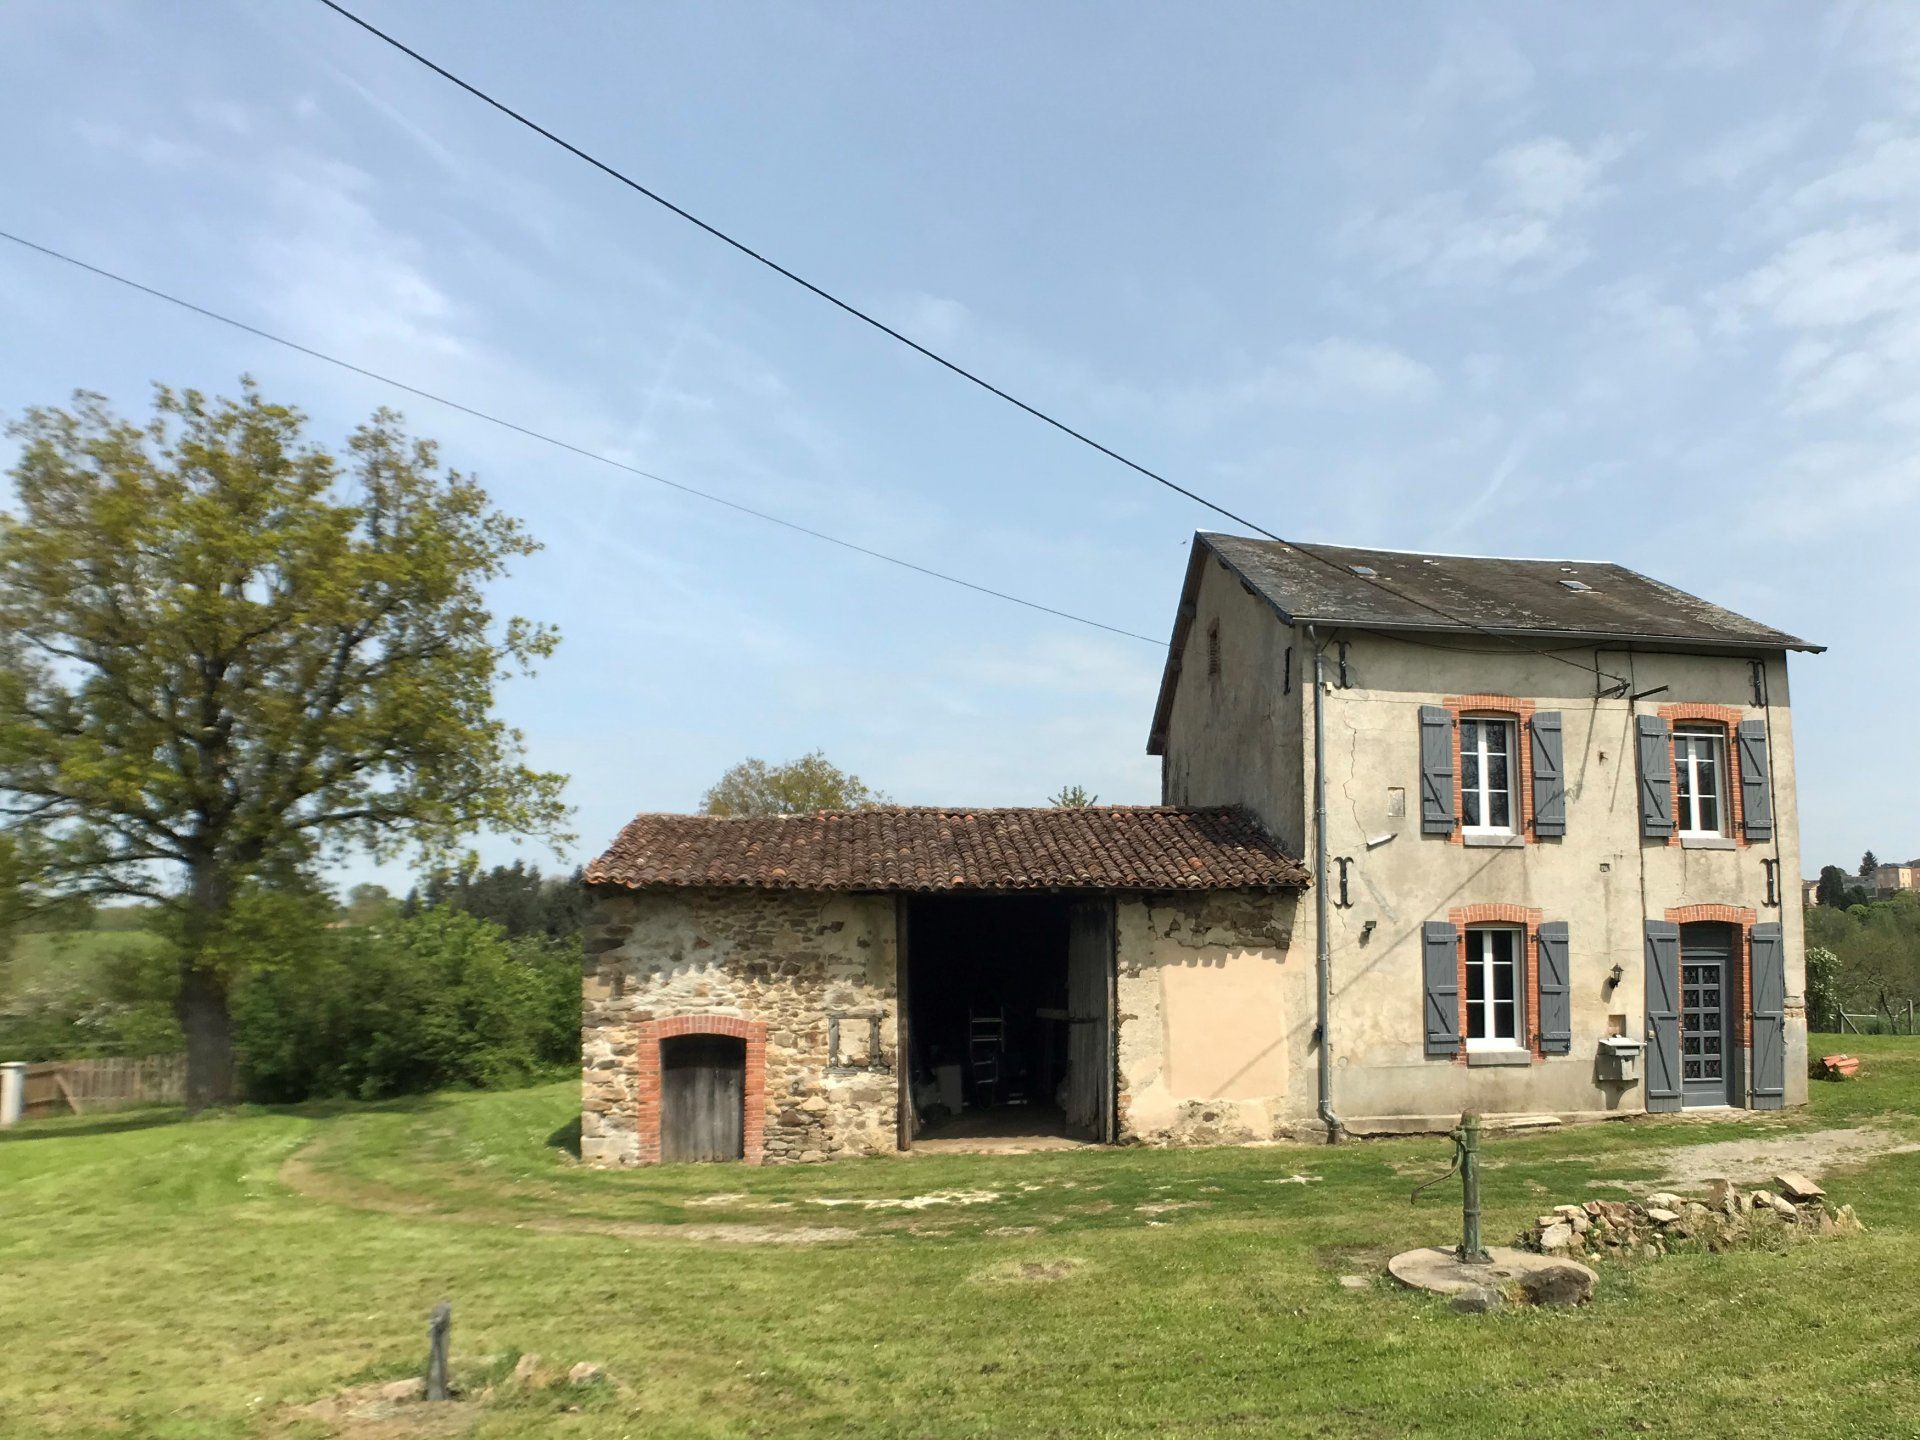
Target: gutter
1323, 945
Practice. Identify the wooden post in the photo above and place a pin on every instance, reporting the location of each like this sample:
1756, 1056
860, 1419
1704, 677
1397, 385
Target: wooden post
437, 1329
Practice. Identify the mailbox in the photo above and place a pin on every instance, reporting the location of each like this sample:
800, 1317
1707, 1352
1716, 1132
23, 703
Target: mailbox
1620, 1060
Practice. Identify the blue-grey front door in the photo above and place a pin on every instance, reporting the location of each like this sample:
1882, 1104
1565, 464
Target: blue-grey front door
1706, 1060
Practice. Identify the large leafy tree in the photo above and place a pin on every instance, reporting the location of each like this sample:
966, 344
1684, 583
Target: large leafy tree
227, 656
798, 787
1833, 890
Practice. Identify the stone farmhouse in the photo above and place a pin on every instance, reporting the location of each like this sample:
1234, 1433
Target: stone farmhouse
1440, 832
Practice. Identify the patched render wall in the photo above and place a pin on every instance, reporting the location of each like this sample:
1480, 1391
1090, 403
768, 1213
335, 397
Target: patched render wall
791, 960
1215, 1014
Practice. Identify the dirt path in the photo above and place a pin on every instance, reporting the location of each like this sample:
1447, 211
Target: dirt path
300, 1175
1810, 1152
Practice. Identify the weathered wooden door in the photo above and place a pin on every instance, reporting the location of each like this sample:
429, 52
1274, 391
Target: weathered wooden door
703, 1084
1090, 1019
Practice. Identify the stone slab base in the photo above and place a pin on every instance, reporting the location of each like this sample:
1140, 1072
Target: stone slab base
1439, 1270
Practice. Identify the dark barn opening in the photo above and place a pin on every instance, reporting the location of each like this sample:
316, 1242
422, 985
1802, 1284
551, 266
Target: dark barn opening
1009, 1018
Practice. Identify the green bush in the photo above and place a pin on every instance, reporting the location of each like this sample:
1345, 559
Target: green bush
82, 994
1823, 988
435, 1000
1876, 950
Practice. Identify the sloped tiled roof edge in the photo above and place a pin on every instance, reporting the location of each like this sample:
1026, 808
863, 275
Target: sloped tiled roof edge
932, 849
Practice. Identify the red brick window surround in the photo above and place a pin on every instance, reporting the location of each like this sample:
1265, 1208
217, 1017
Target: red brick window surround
1726, 720
1741, 918
1500, 707
650, 1034
1527, 920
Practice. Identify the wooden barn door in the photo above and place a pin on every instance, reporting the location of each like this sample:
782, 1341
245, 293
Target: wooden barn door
703, 1083
1090, 1019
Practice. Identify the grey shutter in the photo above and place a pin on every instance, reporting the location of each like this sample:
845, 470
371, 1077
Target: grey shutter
1556, 1005
1440, 962
1549, 774
1663, 1015
1769, 1018
1436, 770
1756, 796
1655, 748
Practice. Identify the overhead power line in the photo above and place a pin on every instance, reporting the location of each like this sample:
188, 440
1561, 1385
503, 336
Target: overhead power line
569, 446
867, 318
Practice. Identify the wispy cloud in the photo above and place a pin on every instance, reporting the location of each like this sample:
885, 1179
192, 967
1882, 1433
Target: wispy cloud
1478, 64
148, 148
1518, 222
1833, 278
1736, 155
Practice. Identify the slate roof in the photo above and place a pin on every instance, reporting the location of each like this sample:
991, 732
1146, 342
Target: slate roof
1101, 847
1506, 595
1513, 597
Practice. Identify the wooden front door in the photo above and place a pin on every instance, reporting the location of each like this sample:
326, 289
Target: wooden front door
1706, 1060
703, 1082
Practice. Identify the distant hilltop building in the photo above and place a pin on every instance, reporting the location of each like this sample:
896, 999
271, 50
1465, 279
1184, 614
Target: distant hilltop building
1884, 881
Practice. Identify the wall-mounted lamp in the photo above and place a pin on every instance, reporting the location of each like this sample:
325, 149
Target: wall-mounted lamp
1614, 977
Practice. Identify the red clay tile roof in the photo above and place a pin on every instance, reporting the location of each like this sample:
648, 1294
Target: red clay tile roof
1101, 847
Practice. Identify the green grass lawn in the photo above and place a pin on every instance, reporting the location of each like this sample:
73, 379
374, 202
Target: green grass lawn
163, 1278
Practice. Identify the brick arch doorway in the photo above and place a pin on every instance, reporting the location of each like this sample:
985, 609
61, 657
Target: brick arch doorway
701, 1076
703, 1083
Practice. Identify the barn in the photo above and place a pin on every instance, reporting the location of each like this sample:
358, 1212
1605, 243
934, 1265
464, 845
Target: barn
800, 988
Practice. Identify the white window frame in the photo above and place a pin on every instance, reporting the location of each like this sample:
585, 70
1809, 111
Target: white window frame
1480, 956
1482, 794
1686, 778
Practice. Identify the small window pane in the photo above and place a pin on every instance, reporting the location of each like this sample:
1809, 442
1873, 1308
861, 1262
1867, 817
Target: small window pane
1503, 982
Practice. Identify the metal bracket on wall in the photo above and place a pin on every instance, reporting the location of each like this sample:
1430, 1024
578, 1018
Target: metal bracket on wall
1772, 867
1346, 680
1343, 861
876, 1062
1757, 669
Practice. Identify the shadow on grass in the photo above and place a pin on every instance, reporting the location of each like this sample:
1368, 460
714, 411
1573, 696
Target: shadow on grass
75, 1127
567, 1138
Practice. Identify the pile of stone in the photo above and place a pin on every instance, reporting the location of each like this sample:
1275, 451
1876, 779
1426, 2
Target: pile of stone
1727, 1218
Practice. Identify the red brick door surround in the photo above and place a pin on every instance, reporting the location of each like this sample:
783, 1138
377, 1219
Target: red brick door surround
651, 1034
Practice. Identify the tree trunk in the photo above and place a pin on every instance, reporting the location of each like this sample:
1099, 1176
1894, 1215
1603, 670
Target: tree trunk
202, 1007
208, 1027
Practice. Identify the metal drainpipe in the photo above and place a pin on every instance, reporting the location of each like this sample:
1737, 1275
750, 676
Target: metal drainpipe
1323, 945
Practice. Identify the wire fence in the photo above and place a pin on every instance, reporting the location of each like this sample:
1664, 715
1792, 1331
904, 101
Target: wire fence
1897, 1021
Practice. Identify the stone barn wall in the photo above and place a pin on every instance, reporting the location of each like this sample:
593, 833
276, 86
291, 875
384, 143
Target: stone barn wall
811, 968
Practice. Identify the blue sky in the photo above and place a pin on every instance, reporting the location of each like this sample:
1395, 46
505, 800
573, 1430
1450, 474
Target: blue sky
1630, 282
